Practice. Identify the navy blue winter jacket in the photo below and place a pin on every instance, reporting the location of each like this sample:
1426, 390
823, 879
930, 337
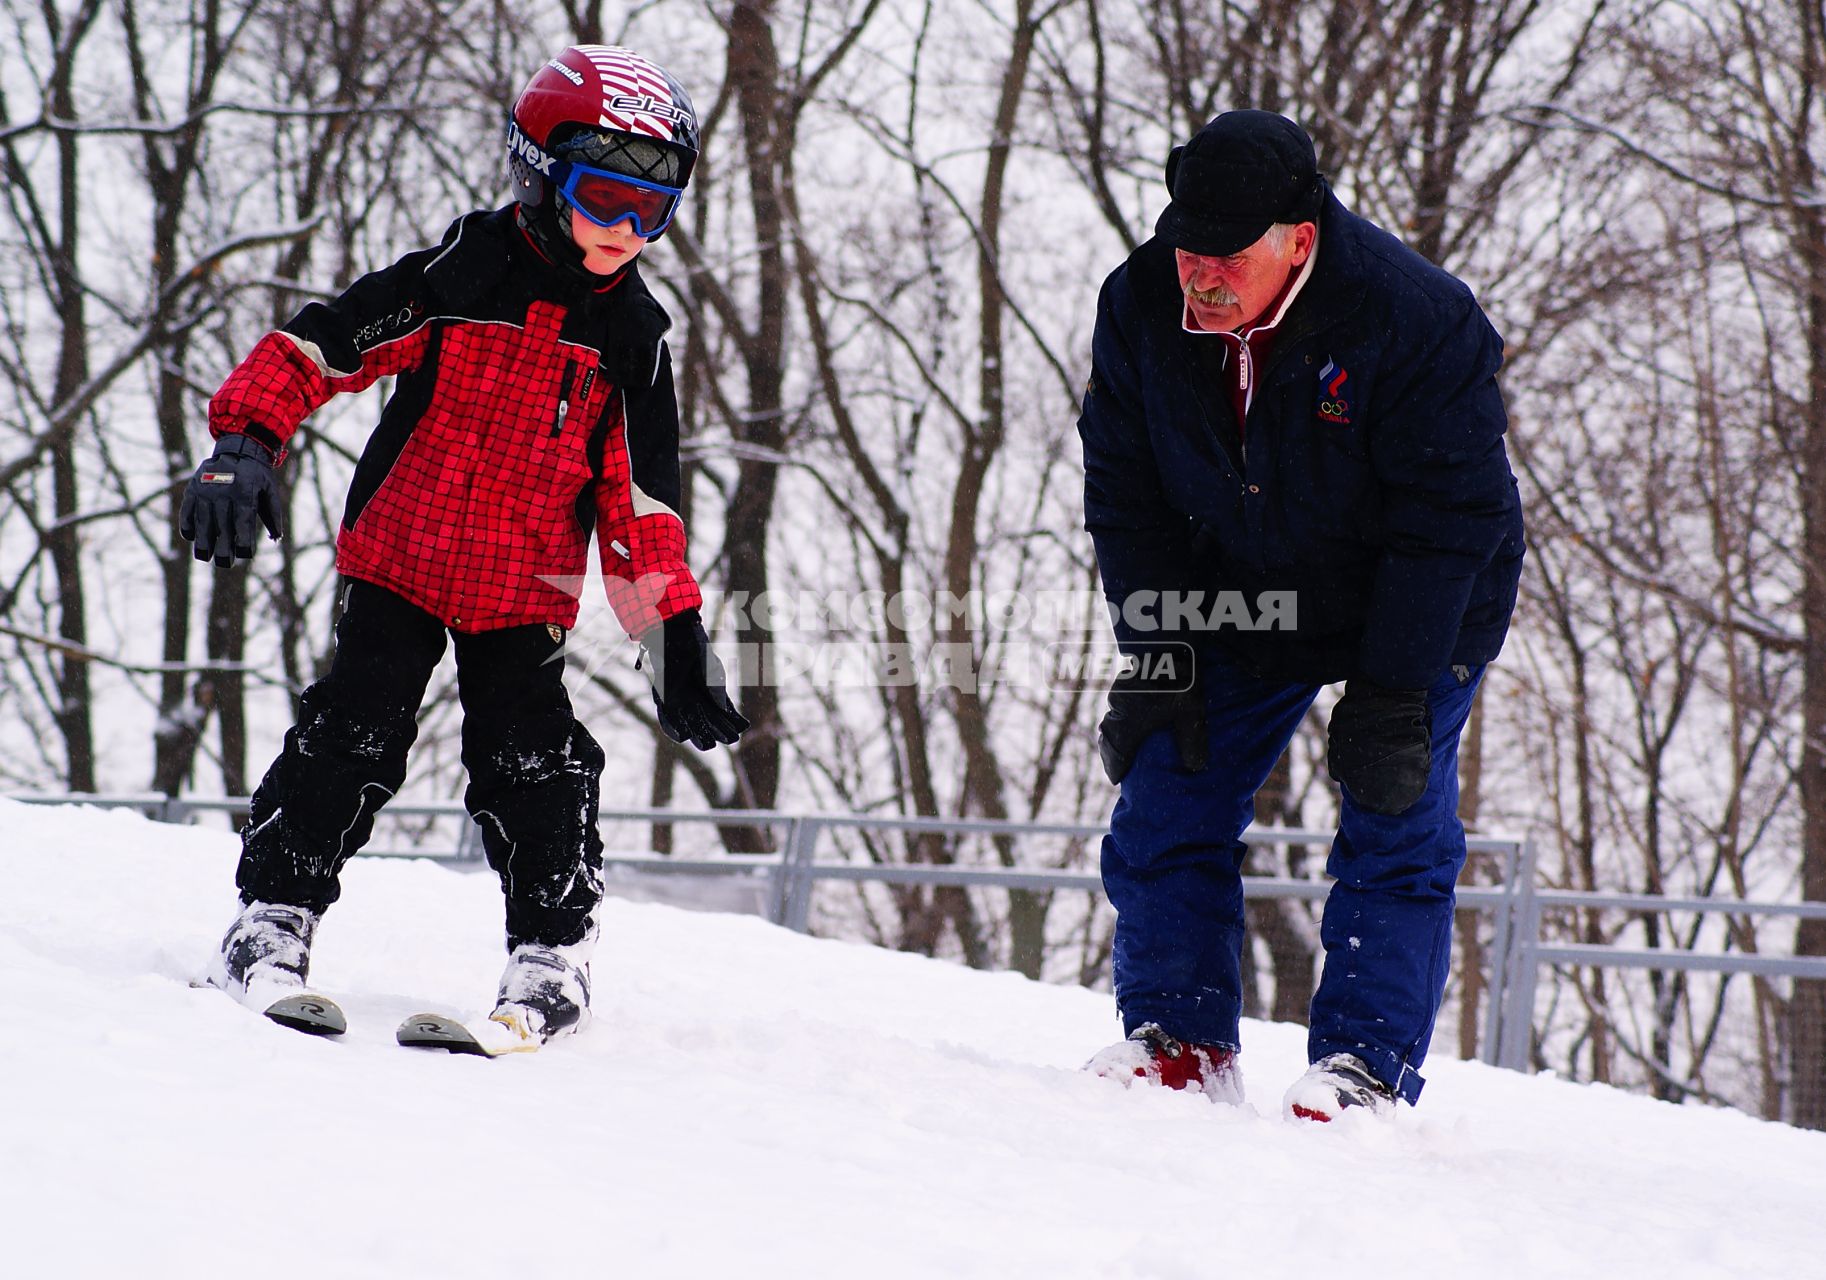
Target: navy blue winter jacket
1371, 480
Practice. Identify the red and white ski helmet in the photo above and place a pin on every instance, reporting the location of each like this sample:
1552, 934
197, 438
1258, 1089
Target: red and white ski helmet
605, 106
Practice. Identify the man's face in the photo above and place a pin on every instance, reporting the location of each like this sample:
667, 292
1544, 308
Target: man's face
1233, 292
606, 250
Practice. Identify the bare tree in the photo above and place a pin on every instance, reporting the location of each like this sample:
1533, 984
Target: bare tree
1738, 87
50, 221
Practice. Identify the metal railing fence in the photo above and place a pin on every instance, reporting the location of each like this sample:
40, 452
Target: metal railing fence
1516, 955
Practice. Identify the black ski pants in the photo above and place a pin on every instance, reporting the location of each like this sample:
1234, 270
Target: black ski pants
534, 772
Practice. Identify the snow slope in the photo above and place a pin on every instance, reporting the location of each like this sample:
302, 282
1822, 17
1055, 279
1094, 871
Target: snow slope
752, 1103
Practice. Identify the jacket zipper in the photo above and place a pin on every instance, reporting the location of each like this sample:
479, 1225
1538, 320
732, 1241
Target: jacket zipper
564, 398
1245, 366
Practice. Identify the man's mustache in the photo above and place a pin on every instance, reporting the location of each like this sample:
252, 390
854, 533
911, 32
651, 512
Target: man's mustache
1216, 296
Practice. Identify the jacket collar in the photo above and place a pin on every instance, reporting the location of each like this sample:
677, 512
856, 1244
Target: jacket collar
554, 280
1337, 286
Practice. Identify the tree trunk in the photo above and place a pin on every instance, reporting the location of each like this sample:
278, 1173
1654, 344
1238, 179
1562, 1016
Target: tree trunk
1807, 1018
227, 640
754, 71
74, 710
982, 771
183, 712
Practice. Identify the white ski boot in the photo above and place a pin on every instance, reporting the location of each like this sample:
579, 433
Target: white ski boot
265, 963
545, 991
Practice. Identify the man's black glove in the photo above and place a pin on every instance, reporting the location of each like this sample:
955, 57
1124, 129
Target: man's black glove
1142, 701
688, 683
1381, 748
230, 492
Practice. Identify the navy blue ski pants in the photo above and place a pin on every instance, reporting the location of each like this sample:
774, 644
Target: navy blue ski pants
1172, 866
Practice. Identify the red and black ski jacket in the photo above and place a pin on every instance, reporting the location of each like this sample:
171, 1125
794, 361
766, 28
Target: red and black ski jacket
528, 410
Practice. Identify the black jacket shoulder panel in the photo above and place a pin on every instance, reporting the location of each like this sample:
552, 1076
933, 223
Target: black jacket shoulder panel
634, 330
652, 433
472, 260
457, 275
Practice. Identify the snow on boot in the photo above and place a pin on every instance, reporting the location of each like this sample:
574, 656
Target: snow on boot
265, 963
1150, 1054
1334, 1084
545, 991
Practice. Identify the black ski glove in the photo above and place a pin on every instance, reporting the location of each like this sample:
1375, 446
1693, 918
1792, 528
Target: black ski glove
1381, 747
1142, 702
688, 683
229, 492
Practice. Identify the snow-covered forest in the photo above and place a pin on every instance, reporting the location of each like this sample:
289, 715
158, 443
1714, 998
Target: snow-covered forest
882, 288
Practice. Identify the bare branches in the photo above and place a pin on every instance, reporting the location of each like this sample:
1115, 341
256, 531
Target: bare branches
80, 653
1535, 116
62, 417
184, 124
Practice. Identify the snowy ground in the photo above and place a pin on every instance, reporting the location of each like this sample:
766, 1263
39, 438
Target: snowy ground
751, 1103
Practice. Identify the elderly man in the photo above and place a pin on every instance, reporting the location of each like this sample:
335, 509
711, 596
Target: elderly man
1290, 409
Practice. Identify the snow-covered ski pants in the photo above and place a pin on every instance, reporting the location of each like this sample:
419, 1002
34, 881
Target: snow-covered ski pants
1172, 866
534, 772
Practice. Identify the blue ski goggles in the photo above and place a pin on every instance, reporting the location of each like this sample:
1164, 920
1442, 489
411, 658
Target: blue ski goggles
606, 198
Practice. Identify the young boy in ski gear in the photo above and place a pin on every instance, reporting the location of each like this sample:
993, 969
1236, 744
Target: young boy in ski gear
534, 403
1287, 404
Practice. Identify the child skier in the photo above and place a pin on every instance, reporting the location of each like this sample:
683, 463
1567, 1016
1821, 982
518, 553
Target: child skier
534, 400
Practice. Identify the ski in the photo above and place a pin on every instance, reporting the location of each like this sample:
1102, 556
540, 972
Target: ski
306, 1011
502, 1032
314, 1015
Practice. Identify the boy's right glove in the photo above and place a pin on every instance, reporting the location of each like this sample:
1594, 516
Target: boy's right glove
229, 492
688, 683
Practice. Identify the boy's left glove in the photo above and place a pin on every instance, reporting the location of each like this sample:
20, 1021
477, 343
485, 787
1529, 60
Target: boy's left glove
688, 683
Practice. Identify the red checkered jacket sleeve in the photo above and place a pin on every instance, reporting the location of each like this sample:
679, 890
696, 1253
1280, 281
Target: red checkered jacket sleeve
640, 535
378, 326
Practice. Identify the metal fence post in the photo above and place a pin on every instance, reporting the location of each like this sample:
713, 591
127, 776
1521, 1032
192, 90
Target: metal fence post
778, 889
1517, 1042
799, 876
1502, 931
469, 842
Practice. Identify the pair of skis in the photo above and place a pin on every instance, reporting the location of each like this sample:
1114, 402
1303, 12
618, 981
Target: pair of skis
502, 1032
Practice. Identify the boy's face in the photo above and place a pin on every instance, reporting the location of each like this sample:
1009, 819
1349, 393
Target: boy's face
606, 250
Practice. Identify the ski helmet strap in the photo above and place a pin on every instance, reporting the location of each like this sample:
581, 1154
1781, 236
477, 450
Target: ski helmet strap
547, 227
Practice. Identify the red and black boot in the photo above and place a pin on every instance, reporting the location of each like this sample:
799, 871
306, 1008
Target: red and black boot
1153, 1056
1335, 1084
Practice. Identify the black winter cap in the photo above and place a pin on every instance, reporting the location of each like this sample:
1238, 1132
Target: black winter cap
1238, 176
